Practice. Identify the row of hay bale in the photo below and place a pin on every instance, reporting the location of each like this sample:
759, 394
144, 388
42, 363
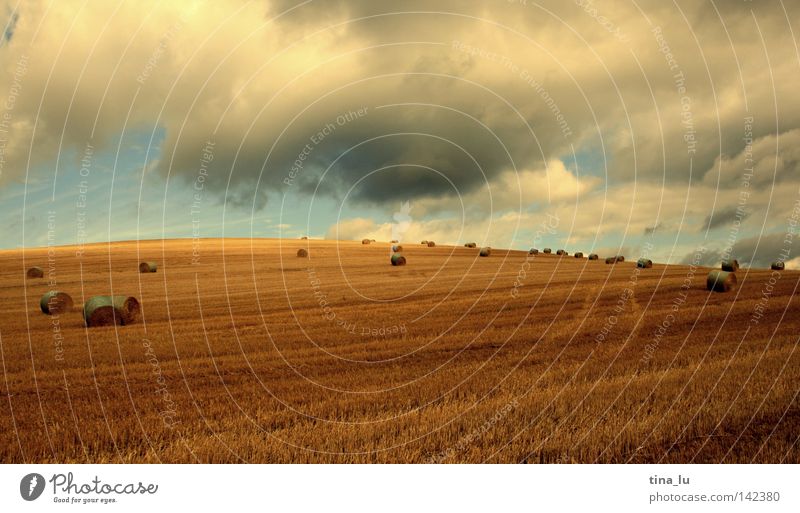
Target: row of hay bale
723, 279
144, 267
97, 311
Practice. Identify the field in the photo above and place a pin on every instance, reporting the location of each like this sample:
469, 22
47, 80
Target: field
247, 353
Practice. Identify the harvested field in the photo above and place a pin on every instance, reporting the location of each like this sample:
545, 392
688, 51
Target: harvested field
254, 355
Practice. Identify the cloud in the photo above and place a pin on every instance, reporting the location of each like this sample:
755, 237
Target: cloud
758, 252
793, 264
479, 97
724, 217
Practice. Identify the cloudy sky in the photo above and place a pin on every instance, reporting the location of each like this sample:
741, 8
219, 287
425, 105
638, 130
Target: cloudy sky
600, 126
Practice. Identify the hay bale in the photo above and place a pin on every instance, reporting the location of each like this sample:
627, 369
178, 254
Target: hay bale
365, 241
611, 260
561, 252
110, 310
620, 258
533, 251
547, 251
578, 255
397, 248
398, 259
394, 241
55, 302
431, 244
593, 256
644, 263
148, 267
485, 252
35, 272
304, 237
778, 266
372, 240
302, 253
730, 265
424, 243
470, 245
721, 281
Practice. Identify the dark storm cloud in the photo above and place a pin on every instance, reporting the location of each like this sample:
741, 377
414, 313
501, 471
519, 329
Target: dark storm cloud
657, 99
724, 217
758, 252
763, 250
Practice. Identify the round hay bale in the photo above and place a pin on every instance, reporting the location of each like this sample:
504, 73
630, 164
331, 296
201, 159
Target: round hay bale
424, 243
611, 260
578, 255
547, 251
397, 248
365, 241
55, 302
35, 272
148, 267
372, 240
644, 263
431, 244
778, 266
533, 251
620, 258
485, 252
730, 265
110, 310
394, 241
302, 253
721, 281
470, 245
593, 256
561, 252
398, 259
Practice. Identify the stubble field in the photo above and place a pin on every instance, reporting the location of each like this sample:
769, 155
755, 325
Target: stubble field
251, 354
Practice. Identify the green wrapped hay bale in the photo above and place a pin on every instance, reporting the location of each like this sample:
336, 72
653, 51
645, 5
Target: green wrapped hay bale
721, 281
55, 302
593, 256
578, 255
547, 251
561, 252
471, 245
431, 244
148, 267
731, 265
397, 248
398, 259
302, 253
365, 241
533, 251
485, 252
110, 310
644, 263
778, 266
35, 272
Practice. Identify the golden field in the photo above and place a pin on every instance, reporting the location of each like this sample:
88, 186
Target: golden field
246, 353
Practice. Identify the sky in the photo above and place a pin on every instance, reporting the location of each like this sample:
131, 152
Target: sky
645, 128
